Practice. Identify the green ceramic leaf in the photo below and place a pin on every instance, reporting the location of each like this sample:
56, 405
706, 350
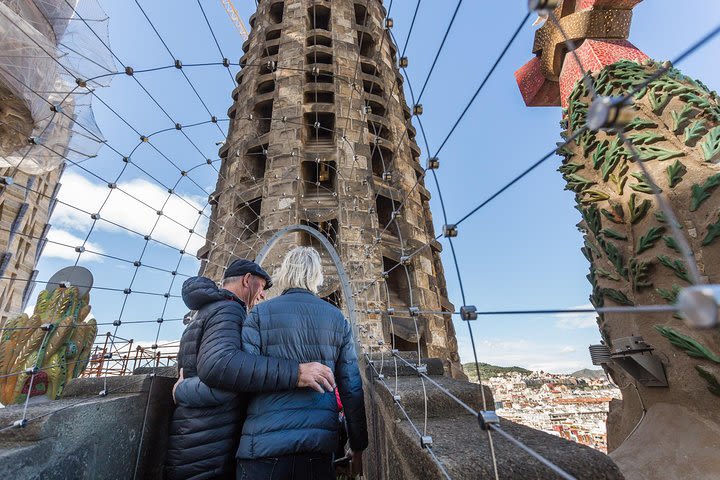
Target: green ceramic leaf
700, 193
649, 239
694, 131
671, 242
610, 233
616, 214
680, 117
617, 296
670, 296
648, 153
711, 145
638, 211
676, 265
675, 173
713, 231
643, 185
713, 383
692, 347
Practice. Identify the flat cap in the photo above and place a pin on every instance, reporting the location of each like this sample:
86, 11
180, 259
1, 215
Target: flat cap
241, 266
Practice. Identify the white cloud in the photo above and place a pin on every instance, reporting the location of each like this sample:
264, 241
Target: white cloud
568, 349
571, 321
67, 253
122, 209
527, 354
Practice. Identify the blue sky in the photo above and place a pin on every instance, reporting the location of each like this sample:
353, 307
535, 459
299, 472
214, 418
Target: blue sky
520, 252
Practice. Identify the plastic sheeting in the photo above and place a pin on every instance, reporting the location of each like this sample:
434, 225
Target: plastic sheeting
52, 58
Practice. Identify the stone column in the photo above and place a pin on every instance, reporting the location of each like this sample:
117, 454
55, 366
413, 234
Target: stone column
634, 257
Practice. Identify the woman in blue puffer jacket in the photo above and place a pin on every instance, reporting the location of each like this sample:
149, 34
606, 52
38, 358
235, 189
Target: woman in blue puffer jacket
293, 434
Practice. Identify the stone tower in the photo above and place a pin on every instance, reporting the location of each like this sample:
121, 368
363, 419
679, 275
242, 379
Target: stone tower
668, 371
27, 190
320, 134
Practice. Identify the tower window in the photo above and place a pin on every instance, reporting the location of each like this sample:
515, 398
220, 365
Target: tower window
266, 86
384, 208
319, 97
381, 160
319, 57
273, 34
270, 51
360, 14
263, 114
321, 39
254, 163
319, 17
366, 44
276, 12
319, 177
319, 127
247, 216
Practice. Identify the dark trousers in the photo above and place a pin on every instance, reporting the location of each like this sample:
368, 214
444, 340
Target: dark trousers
303, 466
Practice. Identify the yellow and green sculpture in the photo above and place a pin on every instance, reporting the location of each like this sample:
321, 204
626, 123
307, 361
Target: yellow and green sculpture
40, 353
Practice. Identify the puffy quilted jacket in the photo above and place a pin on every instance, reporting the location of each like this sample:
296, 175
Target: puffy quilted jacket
207, 420
300, 326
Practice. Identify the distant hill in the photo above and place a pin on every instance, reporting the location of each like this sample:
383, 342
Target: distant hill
487, 370
587, 373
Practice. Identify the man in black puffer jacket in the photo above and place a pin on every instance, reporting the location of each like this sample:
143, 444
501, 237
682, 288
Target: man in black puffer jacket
206, 424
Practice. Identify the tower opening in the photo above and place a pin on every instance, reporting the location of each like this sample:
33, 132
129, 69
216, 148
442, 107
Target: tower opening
384, 208
255, 162
372, 88
369, 69
273, 34
263, 114
319, 177
319, 127
376, 108
319, 39
270, 51
276, 12
266, 87
366, 43
247, 217
360, 14
319, 57
319, 17
334, 298
381, 160
327, 228
377, 129
319, 97
319, 77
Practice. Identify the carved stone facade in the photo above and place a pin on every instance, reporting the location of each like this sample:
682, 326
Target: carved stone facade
25, 208
320, 134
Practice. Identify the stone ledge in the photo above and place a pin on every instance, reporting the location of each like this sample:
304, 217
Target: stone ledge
459, 443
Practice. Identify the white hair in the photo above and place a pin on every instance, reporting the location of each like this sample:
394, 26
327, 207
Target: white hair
301, 268
227, 281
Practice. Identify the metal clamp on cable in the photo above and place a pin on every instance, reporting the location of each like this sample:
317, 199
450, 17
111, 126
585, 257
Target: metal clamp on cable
698, 305
425, 441
487, 418
450, 230
433, 163
103, 393
421, 369
414, 311
468, 312
32, 370
611, 113
540, 5
20, 423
